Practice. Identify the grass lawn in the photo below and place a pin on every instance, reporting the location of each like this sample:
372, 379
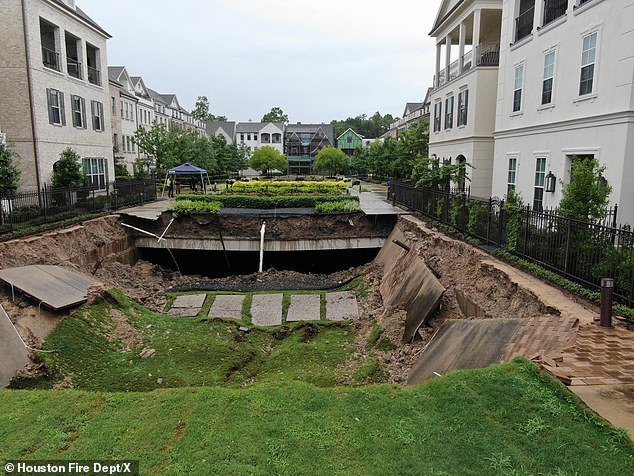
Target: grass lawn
506, 419
195, 352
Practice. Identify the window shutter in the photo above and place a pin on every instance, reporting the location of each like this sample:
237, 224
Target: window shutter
101, 125
50, 106
83, 112
62, 109
92, 113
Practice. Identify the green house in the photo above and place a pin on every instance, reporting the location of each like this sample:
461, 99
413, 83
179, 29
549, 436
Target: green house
348, 141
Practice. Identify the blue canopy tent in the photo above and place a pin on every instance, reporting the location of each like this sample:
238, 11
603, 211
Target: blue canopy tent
187, 169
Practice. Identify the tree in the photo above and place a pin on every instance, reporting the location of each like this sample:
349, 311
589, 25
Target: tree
9, 173
369, 127
276, 115
587, 196
67, 171
267, 159
202, 111
331, 159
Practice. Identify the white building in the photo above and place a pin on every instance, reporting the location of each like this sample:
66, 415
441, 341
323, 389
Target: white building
259, 134
124, 105
565, 90
54, 88
463, 95
226, 129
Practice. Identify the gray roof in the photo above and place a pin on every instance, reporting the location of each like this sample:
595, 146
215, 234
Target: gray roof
156, 97
228, 128
114, 72
256, 126
411, 107
82, 15
329, 131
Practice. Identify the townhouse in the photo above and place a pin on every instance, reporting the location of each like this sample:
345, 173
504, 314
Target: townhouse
254, 135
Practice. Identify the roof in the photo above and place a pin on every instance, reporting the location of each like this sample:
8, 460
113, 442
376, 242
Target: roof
228, 127
411, 107
114, 72
351, 130
447, 7
157, 97
312, 129
186, 169
82, 16
427, 99
256, 126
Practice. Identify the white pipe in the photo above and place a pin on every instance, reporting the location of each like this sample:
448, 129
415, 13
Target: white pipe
262, 230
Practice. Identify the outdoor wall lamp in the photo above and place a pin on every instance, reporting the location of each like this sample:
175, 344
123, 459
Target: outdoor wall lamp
551, 180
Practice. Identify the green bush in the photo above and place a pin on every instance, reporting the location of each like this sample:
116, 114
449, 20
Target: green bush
286, 188
185, 207
264, 202
340, 206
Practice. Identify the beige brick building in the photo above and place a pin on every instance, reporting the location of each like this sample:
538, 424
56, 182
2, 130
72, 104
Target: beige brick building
54, 88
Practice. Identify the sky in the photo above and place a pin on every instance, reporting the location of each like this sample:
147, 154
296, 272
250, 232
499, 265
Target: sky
317, 60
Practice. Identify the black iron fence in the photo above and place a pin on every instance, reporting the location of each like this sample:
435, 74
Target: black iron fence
582, 251
53, 204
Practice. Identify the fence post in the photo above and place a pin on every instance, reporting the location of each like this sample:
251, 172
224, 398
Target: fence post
489, 219
526, 223
616, 209
44, 201
567, 246
502, 225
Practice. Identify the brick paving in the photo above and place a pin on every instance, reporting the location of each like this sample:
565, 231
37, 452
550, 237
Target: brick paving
599, 356
542, 336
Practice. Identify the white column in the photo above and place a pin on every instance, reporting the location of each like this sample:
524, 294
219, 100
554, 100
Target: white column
463, 34
476, 38
538, 14
447, 56
438, 47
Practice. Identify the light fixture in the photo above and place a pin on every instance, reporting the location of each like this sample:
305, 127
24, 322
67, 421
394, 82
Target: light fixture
551, 181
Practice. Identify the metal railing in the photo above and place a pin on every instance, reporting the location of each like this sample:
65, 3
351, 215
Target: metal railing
524, 24
53, 204
554, 9
50, 59
486, 54
74, 68
582, 251
94, 76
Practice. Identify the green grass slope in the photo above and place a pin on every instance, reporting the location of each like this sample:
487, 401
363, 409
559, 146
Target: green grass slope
506, 419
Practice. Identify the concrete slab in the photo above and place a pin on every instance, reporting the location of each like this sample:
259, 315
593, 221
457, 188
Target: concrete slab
304, 307
14, 354
149, 211
266, 309
183, 311
190, 300
341, 306
55, 287
227, 306
615, 403
371, 203
464, 344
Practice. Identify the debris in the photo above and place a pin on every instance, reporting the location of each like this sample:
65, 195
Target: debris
159, 381
145, 353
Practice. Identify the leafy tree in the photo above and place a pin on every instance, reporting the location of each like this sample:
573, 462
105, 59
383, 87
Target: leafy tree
202, 111
120, 169
67, 171
276, 115
370, 127
9, 173
266, 159
331, 159
586, 198
429, 172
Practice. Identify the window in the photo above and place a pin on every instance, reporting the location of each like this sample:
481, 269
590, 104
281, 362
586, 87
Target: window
56, 113
114, 105
540, 173
242, 137
549, 72
588, 57
78, 105
265, 138
437, 116
121, 109
49, 37
449, 112
277, 138
97, 115
512, 174
248, 136
349, 139
463, 107
517, 88
255, 136
95, 171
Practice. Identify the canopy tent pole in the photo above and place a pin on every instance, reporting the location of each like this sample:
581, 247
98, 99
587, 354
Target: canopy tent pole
164, 184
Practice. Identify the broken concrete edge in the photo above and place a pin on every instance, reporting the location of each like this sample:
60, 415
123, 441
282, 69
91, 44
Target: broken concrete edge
511, 275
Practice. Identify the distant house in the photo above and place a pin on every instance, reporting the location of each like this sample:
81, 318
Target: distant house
260, 134
302, 144
349, 141
222, 128
414, 113
124, 105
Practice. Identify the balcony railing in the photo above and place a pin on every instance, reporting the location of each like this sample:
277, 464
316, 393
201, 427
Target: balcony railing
50, 59
74, 68
554, 9
486, 54
94, 76
524, 24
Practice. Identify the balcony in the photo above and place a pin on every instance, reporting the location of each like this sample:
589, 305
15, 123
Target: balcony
50, 59
74, 68
486, 54
94, 76
554, 9
524, 24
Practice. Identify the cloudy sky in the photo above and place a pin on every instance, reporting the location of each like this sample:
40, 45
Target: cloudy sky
317, 60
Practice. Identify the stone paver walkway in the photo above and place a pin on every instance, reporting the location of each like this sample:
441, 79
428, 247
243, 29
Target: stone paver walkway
266, 309
542, 336
187, 306
371, 203
304, 307
341, 306
227, 306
